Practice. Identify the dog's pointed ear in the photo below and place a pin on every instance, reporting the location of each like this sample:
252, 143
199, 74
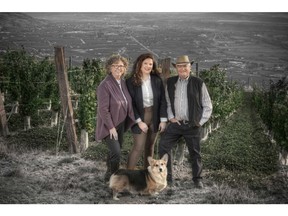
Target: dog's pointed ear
150, 160
165, 157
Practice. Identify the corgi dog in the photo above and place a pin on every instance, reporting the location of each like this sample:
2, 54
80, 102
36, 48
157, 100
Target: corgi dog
148, 181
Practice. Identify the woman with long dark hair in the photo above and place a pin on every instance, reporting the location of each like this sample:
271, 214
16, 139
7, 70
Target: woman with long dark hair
149, 105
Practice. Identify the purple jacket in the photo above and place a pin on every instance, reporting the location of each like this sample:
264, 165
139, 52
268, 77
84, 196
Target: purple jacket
112, 109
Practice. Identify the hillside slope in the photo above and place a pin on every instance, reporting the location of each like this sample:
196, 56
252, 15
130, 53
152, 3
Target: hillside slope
18, 21
43, 177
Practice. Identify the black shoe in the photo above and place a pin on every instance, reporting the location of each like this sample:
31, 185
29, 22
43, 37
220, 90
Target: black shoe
198, 184
170, 192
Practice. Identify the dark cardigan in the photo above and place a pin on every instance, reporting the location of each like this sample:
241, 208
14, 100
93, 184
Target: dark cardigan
159, 102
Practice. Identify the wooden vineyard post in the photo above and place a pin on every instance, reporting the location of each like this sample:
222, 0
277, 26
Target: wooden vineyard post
66, 104
3, 120
197, 70
165, 69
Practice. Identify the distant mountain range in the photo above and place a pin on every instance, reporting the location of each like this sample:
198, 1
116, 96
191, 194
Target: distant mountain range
10, 21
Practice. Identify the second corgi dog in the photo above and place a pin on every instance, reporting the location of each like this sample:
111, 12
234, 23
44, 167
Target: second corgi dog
148, 181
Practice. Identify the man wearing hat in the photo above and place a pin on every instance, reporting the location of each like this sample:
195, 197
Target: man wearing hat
189, 107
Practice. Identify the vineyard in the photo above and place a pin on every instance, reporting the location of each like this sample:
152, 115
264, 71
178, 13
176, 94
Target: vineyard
35, 119
29, 88
32, 92
272, 105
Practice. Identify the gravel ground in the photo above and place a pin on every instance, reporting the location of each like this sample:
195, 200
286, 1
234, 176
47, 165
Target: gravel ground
42, 178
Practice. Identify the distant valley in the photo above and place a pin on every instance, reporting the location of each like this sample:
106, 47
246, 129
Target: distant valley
252, 47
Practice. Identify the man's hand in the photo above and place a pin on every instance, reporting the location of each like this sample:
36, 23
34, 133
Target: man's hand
174, 120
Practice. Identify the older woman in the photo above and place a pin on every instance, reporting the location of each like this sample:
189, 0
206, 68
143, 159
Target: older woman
114, 114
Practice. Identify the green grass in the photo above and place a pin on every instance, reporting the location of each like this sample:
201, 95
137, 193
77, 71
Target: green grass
41, 138
241, 145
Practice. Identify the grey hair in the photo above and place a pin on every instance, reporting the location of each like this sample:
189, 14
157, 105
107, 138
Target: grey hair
113, 59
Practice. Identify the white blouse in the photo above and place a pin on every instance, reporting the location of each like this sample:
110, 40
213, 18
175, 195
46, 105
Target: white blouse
147, 93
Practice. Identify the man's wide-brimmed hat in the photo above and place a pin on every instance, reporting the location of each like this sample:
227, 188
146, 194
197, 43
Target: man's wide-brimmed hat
182, 60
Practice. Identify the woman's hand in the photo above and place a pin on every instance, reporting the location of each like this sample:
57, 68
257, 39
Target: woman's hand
113, 133
162, 126
143, 126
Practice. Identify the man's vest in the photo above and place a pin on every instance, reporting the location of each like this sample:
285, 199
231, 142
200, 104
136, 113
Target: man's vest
194, 94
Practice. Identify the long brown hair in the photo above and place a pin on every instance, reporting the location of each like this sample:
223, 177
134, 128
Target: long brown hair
136, 73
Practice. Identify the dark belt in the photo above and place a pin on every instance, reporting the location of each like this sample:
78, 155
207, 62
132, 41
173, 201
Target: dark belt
185, 122
188, 123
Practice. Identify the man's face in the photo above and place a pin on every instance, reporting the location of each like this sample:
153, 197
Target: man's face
183, 70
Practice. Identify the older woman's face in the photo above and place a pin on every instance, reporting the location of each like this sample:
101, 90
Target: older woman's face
117, 69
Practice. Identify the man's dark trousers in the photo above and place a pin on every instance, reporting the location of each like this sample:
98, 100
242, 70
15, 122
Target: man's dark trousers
191, 134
